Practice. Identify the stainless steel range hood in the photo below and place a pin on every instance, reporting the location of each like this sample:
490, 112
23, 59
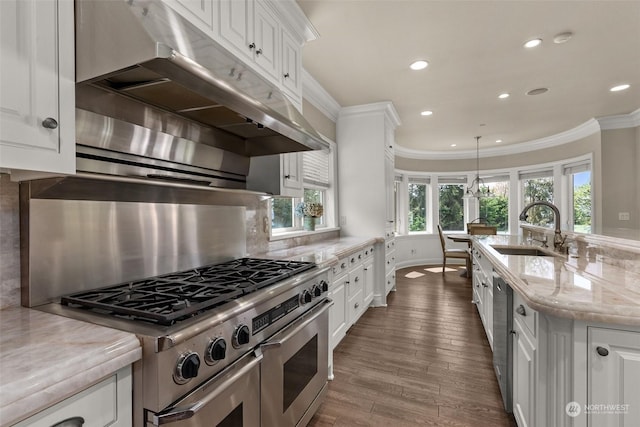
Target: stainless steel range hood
141, 66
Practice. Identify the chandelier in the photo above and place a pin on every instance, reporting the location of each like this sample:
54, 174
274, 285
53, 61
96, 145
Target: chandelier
477, 188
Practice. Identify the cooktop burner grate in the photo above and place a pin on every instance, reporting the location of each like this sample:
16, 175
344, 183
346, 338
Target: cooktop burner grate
176, 296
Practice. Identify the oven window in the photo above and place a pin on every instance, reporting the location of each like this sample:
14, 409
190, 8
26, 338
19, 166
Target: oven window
299, 371
234, 419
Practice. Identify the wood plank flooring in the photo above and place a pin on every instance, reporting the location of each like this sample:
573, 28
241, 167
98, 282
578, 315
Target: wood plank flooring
422, 360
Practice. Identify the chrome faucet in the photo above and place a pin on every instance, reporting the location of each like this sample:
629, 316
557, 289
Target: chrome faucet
558, 240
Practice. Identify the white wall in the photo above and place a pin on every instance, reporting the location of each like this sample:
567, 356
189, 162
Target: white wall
422, 249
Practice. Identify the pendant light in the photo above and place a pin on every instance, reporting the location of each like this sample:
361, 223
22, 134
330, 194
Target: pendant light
477, 188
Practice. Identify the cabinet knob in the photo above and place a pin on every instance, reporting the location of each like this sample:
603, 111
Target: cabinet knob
287, 177
252, 46
602, 351
70, 422
521, 310
286, 75
259, 51
356, 305
50, 123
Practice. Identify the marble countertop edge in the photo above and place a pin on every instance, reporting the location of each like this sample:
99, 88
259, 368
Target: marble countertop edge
26, 406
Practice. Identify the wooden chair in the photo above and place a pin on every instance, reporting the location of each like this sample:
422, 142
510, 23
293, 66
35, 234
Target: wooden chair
453, 253
485, 229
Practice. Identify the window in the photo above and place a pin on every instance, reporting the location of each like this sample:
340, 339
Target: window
417, 219
317, 167
494, 210
538, 186
451, 206
397, 208
579, 176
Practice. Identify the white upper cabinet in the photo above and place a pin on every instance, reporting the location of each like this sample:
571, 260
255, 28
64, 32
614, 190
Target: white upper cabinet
291, 66
199, 12
37, 88
253, 32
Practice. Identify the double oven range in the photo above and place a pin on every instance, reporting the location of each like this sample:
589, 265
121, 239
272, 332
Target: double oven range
240, 342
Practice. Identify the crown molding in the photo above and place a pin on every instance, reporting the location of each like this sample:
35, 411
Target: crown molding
621, 121
385, 107
318, 97
294, 18
587, 128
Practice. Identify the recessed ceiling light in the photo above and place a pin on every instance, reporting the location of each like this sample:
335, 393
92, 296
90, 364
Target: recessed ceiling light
620, 87
503, 95
538, 91
498, 141
532, 43
562, 37
453, 145
419, 65
426, 113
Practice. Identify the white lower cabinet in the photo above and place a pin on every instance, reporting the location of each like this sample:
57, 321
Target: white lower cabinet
524, 375
107, 403
612, 378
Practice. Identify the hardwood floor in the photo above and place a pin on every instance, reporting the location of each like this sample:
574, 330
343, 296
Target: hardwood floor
422, 360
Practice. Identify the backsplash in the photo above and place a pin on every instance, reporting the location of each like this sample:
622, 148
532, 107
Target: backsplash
9, 243
257, 238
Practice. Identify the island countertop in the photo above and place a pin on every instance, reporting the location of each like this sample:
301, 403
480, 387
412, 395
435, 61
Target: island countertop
582, 287
46, 358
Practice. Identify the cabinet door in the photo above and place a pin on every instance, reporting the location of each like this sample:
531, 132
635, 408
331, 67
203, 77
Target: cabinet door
369, 281
266, 34
37, 105
291, 66
291, 174
199, 12
338, 312
613, 375
524, 377
236, 24
488, 312
389, 183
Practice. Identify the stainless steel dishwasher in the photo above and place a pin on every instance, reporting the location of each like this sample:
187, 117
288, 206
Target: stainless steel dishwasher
503, 338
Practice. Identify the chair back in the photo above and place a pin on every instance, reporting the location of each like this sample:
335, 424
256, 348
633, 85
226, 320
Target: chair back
442, 242
483, 230
481, 223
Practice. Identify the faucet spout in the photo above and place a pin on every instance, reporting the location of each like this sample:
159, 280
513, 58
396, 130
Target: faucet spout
558, 240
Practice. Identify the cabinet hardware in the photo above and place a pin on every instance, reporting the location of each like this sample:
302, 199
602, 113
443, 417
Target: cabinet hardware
258, 52
252, 46
287, 177
50, 123
356, 305
286, 75
602, 351
70, 422
521, 310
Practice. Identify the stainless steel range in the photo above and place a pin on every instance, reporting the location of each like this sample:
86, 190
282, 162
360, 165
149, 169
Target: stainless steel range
241, 342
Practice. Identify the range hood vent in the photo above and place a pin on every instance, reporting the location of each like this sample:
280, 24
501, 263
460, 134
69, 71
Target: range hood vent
141, 63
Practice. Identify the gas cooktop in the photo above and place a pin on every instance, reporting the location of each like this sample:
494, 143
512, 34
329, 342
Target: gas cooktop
172, 297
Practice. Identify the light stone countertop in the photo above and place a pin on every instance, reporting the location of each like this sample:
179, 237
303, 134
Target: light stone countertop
582, 287
325, 252
46, 358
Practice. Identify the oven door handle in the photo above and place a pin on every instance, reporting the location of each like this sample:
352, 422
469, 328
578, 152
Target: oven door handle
182, 413
300, 324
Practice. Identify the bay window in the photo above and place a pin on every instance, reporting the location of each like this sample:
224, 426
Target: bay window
451, 203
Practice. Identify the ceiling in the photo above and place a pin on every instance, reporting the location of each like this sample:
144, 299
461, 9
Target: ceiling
475, 52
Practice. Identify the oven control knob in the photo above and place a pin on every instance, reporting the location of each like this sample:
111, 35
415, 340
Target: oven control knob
241, 336
187, 367
217, 350
306, 297
316, 290
324, 286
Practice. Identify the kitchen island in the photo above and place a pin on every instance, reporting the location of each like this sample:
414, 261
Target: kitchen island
45, 359
575, 328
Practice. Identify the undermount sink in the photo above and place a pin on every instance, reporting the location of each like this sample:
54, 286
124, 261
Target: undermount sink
522, 251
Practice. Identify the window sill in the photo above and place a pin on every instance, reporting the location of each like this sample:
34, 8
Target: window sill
298, 233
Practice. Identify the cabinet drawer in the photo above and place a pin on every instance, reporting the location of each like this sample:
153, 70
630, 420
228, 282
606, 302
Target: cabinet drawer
355, 306
340, 268
390, 262
356, 280
368, 252
526, 315
97, 405
355, 259
390, 281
